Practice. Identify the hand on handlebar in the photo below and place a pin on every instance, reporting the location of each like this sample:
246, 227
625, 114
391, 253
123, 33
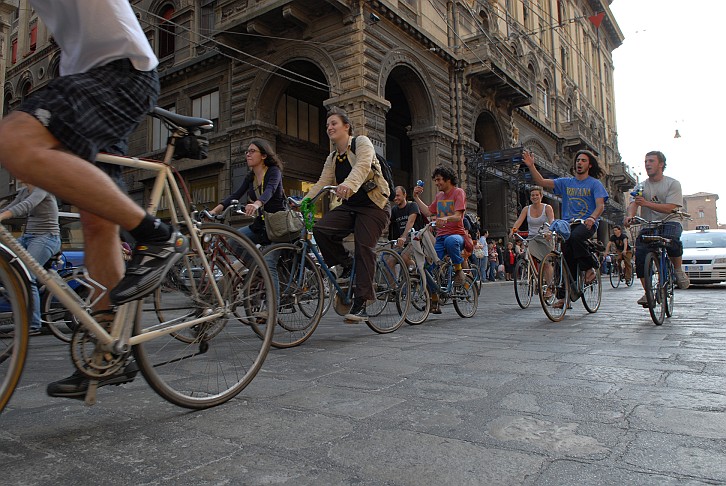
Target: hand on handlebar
342, 191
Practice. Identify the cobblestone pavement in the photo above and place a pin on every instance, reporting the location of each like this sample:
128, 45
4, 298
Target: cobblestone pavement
506, 397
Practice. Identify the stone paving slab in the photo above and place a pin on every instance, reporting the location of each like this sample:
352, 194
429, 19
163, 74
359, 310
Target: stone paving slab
506, 397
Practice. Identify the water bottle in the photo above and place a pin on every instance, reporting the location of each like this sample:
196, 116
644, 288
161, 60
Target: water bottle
637, 190
420, 183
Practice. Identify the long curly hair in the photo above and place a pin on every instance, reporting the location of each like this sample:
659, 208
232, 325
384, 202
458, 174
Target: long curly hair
595, 170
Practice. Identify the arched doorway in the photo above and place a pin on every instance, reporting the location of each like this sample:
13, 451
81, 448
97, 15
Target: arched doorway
410, 111
493, 207
294, 104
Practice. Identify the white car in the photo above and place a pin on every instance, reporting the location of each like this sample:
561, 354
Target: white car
704, 255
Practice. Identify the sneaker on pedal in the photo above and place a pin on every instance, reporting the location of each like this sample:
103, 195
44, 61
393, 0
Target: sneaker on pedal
347, 269
76, 385
358, 311
682, 279
148, 267
643, 300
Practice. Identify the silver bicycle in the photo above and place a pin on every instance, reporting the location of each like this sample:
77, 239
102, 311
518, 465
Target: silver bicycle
205, 351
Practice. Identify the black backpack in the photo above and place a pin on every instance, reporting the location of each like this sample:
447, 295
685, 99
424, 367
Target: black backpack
385, 169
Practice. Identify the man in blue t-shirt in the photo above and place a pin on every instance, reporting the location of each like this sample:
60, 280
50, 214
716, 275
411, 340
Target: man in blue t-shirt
583, 197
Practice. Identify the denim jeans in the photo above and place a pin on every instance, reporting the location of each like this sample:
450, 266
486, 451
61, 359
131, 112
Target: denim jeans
41, 247
271, 258
492, 275
452, 244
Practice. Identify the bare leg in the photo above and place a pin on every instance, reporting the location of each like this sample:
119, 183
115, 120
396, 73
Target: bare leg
677, 261
102, 247
30, 152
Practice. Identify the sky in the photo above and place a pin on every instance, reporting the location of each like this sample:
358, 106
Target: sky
669, 74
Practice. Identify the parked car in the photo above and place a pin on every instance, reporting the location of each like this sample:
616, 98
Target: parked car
704, 255
71, 239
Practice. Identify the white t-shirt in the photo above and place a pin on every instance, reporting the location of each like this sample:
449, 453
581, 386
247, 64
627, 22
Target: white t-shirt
93, 33
665, 191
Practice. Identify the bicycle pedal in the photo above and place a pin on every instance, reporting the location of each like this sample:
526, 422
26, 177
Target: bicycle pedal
91, 393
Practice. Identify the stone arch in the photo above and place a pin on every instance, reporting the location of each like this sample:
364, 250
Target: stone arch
267, 87
24, 85
535, 146
423, 105
54, 66
532, 60
8, 95
547, 76
492, 137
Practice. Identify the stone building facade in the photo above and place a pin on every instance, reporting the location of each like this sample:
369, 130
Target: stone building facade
702, 208
429, 81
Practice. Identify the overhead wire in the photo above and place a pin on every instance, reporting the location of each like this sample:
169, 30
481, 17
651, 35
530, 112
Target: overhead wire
270, 67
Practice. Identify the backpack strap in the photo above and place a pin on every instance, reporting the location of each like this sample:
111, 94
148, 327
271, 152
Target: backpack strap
371, 174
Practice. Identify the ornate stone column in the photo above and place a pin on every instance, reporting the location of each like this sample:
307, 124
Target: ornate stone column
431, 146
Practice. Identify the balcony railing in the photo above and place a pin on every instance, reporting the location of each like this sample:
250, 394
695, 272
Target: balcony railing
622, 176
495, 67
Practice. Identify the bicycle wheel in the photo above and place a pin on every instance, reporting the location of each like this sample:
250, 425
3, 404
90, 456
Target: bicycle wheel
554, 287
474, 272
592, 293
670, 288
218, 358
420, 302
523, 282
15, 311
629, 281
329, 289
442, 280
654, 291
392, 288
54, 315
301, 297
615, 276
465, 298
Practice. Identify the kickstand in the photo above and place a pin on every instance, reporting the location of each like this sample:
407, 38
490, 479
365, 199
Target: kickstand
91, 392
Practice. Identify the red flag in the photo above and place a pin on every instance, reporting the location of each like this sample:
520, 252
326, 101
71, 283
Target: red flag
597, 19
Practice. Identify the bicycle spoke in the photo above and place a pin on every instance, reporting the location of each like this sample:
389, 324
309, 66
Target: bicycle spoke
210, 362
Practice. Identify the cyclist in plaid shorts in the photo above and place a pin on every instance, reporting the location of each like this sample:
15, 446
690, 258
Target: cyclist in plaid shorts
108, 83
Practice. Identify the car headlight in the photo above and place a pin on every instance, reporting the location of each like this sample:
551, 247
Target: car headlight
719, 260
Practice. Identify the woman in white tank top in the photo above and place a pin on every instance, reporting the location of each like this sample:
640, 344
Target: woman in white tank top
536, 214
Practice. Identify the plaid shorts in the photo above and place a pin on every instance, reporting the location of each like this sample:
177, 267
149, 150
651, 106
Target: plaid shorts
97, 110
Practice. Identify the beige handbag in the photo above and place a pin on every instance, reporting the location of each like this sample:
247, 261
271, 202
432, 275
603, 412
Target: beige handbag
283, 226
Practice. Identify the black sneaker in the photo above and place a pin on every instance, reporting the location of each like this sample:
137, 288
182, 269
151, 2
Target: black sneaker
76, 385
345, 274
148, 267
357, 311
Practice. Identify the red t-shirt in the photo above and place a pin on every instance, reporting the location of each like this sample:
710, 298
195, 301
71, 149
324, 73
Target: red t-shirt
446, 204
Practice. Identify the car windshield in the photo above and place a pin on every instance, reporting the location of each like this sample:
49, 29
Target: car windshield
704, 240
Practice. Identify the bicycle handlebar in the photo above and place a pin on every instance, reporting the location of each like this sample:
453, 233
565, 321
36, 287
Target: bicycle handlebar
675, 213
205, 214
307, 206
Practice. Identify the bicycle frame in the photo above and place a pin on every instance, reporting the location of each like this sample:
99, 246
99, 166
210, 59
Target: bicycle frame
306, 238
119, 339
307, 244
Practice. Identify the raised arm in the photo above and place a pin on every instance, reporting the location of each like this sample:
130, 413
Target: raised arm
528, 159
422, 206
